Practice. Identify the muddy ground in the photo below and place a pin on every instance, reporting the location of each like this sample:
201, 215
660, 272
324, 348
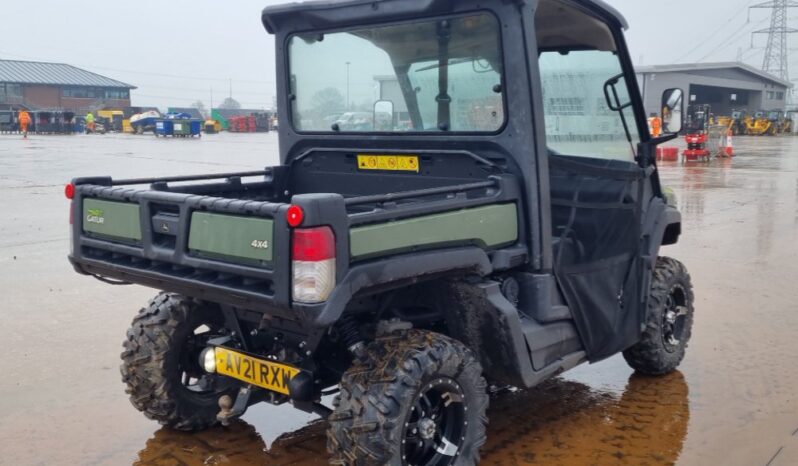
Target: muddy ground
734, 402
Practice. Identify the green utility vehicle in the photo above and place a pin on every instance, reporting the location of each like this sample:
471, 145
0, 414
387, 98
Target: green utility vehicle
499, 222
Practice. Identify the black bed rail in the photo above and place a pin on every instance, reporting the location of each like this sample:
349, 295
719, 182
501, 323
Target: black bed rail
108, 181
390, 197
383, 207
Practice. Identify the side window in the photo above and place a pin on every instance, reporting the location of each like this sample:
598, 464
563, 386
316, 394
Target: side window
579, 121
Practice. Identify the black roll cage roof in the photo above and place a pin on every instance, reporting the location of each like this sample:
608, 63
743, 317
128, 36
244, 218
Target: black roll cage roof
326, 14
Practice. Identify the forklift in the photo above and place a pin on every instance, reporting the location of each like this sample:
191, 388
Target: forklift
697, 129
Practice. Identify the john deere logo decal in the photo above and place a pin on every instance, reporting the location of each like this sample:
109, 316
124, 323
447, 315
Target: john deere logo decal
95, 216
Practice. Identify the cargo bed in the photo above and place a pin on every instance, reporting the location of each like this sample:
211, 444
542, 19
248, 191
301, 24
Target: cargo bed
225, 238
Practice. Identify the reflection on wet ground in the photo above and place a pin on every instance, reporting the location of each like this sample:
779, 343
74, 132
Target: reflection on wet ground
560, 422
733, 402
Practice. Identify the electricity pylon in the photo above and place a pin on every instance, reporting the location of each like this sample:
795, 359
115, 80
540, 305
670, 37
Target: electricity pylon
777, 52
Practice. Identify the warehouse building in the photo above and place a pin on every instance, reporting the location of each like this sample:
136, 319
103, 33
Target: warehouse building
58, 87
724, 86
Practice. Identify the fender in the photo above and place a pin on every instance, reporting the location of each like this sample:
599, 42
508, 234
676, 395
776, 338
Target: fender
393, 270
664, 226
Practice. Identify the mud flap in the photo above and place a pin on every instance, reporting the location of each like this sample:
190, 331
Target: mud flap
490, 325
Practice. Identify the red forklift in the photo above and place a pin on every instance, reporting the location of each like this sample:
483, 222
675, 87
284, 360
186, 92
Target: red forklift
697, 133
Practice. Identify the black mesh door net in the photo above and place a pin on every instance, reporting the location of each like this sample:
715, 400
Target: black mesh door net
596, 217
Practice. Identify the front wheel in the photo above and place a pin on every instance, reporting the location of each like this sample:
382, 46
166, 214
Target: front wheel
669, 323
420, 400
160, 363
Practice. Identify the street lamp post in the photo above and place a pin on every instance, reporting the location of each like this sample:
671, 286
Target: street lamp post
347, 84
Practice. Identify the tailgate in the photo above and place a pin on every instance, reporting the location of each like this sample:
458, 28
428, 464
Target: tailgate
224, 250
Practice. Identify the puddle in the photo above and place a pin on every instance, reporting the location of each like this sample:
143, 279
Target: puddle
559, 422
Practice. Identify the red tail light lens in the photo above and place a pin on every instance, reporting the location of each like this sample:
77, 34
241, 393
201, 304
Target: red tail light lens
69, 191
314, 244
295, 216
313, 264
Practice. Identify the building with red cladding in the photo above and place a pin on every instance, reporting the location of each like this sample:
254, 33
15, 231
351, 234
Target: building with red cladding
58, 87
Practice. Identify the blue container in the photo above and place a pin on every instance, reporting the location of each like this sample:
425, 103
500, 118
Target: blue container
196, 128
80, 125
181, 128
164, 128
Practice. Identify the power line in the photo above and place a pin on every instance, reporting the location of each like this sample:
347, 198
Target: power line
194, 99
204, 91
736, 35
710, 36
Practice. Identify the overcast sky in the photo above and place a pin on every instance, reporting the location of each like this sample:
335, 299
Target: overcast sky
179, 51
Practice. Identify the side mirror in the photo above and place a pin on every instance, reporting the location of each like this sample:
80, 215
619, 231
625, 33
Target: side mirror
383, 116
672, 111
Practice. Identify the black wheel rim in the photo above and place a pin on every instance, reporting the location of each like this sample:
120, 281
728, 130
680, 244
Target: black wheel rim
673, 319
436, 426
192, 376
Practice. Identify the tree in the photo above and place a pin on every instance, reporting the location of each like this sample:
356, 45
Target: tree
200, 108
230, 104
328, 101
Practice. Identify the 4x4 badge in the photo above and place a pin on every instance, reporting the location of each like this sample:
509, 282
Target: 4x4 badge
258, 244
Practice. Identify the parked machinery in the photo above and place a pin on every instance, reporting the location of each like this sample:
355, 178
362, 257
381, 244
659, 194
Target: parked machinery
113, 119
697, 127
145, 121
778, 123
738, 122
725, 121
759, 125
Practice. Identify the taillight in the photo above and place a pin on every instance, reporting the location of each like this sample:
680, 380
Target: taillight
69, 191
313, 264
295, 216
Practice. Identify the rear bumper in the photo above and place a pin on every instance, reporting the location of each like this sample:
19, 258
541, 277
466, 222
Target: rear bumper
388, 272
184, 285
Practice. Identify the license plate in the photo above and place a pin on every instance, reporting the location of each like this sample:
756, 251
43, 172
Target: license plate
402, 163
265, 374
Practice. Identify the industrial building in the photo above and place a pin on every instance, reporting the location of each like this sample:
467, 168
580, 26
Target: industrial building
58, 87
724, 86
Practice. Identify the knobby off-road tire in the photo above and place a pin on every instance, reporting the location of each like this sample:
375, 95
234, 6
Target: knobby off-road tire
380, 413
160, 359
669, 323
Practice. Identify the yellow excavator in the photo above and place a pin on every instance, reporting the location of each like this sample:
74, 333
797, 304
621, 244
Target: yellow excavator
726, 121
759, 124
780, 124
738, 122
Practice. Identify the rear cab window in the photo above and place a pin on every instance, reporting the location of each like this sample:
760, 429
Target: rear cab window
442, 75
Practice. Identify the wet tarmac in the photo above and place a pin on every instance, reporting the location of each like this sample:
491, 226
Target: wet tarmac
734, 401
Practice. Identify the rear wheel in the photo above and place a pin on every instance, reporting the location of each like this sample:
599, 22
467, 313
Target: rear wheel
160, 363
421, 400
669, 323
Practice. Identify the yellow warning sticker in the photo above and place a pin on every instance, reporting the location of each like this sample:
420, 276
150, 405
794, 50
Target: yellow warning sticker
402, 163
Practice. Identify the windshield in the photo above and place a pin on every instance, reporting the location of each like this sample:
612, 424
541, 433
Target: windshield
436, 76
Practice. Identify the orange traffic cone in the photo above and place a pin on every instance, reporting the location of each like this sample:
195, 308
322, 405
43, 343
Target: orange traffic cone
730, 145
